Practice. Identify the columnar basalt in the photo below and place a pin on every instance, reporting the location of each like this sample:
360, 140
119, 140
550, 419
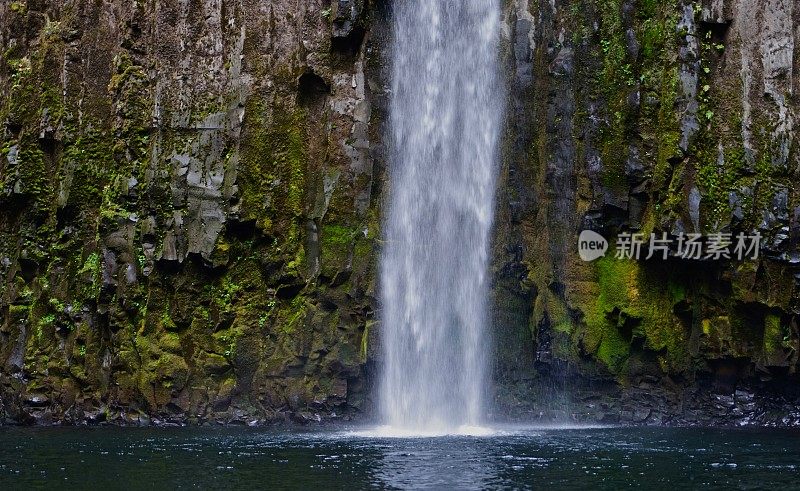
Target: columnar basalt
190, 209
651, 117
187, 215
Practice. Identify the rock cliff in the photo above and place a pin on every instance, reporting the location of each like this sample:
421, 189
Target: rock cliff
191, 191
650, 117
188, 210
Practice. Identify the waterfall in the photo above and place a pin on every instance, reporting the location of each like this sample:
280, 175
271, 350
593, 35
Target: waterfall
445, 119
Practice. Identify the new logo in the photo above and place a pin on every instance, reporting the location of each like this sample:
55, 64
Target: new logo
591, 245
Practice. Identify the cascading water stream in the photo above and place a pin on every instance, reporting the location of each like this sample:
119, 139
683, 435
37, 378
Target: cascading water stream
446, 116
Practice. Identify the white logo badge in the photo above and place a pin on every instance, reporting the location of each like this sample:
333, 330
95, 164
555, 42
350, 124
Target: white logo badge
591, 245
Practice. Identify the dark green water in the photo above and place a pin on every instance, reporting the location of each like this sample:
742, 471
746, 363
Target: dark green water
609, 458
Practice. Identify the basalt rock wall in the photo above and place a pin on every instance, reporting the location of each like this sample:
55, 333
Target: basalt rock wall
187, 209
650, 117
190, 195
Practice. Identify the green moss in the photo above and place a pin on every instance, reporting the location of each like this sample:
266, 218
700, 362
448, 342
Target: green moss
612, 42
653, 74
297, 314
550, 304
776, 339
336, 235
613, 350
615, 279
362, 251
296, 265
336, 244
667, 136
651, 33
272, 175
56, 305
715, 183
618, 78
89, 159
658, 119
634, 302
128, 88
170, 342
365, 341
226, 342
33, 178
290, 317
226, 294
91, 268
126, 73
160, 373
212, 363
18, 313
47, 320
167, 322
19, 7
111, 211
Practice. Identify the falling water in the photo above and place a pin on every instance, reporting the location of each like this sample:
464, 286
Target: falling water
446, 111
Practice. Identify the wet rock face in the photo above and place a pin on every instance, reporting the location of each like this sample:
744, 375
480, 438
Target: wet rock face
651, 117
187, 209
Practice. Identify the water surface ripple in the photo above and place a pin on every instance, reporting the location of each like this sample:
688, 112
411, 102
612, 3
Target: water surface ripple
527, 458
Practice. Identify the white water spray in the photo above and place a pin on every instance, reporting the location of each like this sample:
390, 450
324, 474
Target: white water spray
446, 117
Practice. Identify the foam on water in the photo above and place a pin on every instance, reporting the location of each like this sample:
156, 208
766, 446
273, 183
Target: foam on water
393, 432
495, 431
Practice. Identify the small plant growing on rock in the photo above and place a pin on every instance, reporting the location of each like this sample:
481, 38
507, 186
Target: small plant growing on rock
19, 8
